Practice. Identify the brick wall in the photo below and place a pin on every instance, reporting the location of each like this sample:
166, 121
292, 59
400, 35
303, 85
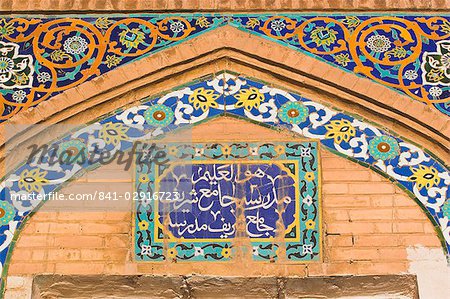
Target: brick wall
368, 223
218, 5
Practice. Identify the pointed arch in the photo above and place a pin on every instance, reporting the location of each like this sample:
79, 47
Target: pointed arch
417, 172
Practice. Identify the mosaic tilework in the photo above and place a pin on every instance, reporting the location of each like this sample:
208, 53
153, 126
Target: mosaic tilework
407, 165
204, 195
43, 56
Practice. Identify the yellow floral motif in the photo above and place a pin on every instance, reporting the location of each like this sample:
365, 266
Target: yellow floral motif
310, 224
143, 178
6, 28
203, 99
445, 27
32, 180
226, 252
252, 23
323, 36
425, 177
58, 55
173, 150
309, 176
202, 22
279, 149
435, 75
249, 98
340, 130
398, 52
342, 59
226, 150
351, 21
113, 133
103, 23
143, 225
20, 79
112, 60
131, 38
172, 253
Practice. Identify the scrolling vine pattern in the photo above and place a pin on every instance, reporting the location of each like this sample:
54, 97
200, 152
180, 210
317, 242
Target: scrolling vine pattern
41, 57
409, 166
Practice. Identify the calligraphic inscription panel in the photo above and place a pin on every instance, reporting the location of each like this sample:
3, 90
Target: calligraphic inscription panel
204, 202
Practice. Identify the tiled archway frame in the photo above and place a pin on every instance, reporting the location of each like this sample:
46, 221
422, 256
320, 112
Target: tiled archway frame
425, 178
43, 56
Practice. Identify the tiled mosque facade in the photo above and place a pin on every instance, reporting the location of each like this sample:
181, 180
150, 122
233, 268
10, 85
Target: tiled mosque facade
226, 143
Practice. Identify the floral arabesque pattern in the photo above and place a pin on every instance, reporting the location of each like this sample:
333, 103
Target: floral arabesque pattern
64, 52
386, 49
405, 52
436, 65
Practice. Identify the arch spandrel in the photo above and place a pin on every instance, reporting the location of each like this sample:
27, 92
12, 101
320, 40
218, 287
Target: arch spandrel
394, 51
229, 48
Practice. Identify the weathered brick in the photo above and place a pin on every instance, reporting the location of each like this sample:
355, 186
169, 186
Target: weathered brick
64, 228
118, 216
345, 254
396, 254
27, 267
92, 254
116, 254
118, 241
78, 242
412, 213
341, 268
234, 5
339, 241
86, 267
34, 241
105, 228
408, 227
382, 201
381, 214
38, 254
373, 188
361, 229
337, 215
335, 188
417, 239
335, 163
377, 267
80, 216
346, 176
387, 240
402, 200
345, 201
63, 254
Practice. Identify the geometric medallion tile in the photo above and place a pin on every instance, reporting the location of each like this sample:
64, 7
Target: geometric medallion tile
205, 196
46, 55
